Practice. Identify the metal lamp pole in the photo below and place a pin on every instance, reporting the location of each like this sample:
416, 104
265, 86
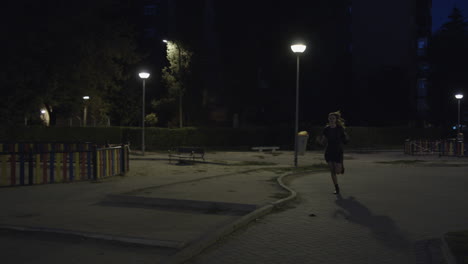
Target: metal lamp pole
144, 76
85, 110
297, 48
459, 97
296, 127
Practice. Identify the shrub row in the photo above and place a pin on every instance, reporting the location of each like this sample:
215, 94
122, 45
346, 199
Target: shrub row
215, 138
98, 135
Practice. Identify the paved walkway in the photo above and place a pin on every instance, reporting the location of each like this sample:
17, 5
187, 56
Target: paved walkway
386, 213
182, 208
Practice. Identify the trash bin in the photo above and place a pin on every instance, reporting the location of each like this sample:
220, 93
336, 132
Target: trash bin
302, 138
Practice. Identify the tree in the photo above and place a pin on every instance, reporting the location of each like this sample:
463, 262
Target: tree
448, 56
151, 119
175, 75
59, 52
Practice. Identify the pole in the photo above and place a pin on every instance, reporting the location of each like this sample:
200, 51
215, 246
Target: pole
143, 122
297, 114
180, 91
85, 111
458, 117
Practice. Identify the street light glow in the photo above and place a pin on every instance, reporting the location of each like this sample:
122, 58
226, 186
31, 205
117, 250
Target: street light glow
165, 40
144, 75
43, 111
86, 97
459, 96
298, 48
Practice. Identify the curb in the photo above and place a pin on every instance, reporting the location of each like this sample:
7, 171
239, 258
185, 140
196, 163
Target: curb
197, 246
113, 238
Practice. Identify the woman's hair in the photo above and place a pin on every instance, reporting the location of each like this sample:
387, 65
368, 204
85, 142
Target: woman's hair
339, 120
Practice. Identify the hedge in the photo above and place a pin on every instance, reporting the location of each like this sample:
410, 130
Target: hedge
215, 138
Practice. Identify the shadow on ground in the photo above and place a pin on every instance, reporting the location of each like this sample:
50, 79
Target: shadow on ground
383, 227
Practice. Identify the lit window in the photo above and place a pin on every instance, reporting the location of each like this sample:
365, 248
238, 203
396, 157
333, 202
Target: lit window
422, 87
422, 43
422, 105
150, 32
150, 10
423, 68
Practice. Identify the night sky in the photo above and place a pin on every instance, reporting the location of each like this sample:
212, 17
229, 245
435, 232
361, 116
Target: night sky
442, 8
252, 57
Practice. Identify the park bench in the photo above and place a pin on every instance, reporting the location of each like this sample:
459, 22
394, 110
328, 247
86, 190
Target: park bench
187, 153
260, 149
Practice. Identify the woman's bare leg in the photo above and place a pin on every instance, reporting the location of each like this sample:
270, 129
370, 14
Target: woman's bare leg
332, 166
338, 168
333, 172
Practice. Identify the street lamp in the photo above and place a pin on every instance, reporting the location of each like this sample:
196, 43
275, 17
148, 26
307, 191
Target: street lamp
298, 49
144, 76
459, 97
85, 110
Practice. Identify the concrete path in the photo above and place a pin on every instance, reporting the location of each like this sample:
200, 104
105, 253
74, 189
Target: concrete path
387, 213
166, 213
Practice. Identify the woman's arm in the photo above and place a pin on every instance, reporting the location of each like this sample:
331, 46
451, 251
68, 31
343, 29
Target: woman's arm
321, 139
344, 136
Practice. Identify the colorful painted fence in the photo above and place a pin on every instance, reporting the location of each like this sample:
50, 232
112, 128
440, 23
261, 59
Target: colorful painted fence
28, 166
439, 147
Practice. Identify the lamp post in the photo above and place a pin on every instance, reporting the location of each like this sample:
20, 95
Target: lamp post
144, 76
43, 112
85, 110
458, 97
298, 49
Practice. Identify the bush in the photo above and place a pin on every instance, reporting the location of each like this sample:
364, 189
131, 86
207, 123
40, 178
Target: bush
216, 138
98, 135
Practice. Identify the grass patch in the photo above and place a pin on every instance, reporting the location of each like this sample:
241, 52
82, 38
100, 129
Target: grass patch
253, 163
446, 165
279, 195
274, 154
260, 157
401, 162
313, 167
458, 244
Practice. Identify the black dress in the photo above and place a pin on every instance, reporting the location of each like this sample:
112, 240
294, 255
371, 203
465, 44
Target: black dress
336, 137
